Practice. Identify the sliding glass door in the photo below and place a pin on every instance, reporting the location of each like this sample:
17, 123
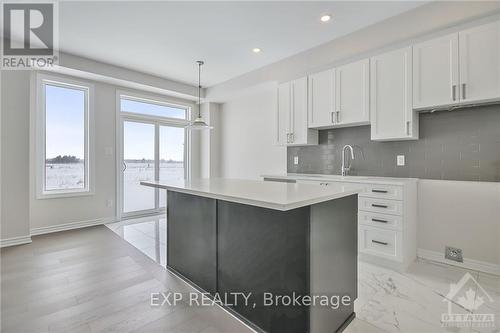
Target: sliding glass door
152, 148
139, 164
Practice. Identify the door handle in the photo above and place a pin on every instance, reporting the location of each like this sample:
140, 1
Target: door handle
454, 92
463, 91
338, 117
408, 127
379, 206
331, 116
379, 242
379, 191
379, 220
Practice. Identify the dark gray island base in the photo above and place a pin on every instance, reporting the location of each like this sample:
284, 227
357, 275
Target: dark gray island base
228, 247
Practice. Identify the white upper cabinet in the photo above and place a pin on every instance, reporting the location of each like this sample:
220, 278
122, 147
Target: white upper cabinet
391, 113
292, 122
435, 72
321, 98
480, 63
352, 93
283, 114
458, 69
339, 97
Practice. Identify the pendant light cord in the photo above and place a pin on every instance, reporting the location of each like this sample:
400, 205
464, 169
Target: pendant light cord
199, 88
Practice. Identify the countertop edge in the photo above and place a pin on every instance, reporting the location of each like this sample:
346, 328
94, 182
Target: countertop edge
252, 202
334, 178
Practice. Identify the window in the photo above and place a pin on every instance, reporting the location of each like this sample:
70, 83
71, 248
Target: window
151, 108
63, 137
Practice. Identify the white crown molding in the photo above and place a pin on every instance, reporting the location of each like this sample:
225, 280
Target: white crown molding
471, 264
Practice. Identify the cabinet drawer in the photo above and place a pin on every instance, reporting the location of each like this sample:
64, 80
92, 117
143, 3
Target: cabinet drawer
380, 242
383, 191
378, 220
381, 206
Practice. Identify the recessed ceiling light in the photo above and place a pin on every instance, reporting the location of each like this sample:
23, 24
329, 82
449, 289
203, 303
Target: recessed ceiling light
325, 18
256, 50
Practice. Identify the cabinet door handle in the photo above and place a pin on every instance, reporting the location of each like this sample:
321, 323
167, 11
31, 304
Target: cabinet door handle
408, 127
338, 117
379, 242
379, 191
331, 116
379, 206
463, 91
454, 92
379, 220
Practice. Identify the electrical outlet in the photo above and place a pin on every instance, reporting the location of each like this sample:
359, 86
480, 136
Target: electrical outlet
400, 160
453, 253
295, 160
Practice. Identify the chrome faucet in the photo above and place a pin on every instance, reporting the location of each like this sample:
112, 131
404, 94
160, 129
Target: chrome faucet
345, 169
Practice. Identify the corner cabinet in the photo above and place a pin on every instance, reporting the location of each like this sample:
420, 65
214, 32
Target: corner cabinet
292, 119
391, 112
458, 69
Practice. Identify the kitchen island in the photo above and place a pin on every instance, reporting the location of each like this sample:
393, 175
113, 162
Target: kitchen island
272, 241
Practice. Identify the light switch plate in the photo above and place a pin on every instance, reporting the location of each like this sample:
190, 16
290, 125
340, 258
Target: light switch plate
400, 160
295, 160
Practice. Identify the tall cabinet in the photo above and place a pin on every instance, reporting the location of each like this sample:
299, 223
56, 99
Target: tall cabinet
459, 68
391, 112
292, 119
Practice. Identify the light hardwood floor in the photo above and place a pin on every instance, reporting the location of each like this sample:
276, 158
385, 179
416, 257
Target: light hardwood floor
91, 280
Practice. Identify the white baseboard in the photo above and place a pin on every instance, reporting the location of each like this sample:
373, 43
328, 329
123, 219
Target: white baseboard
472, 264
15, 241
71, 226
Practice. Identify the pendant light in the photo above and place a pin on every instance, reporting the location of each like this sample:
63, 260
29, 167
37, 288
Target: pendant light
199, 123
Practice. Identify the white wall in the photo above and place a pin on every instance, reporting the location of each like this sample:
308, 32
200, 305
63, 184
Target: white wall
247, 135
460, 214
21, 212
14, 111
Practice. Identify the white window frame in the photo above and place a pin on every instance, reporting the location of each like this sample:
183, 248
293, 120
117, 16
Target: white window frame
40, 127
151, 119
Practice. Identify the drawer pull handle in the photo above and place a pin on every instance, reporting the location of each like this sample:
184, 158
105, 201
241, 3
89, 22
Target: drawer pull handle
380, 191
379, 206
379, 242
379, 220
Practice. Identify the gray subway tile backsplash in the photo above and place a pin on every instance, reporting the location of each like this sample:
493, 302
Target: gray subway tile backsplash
463, 144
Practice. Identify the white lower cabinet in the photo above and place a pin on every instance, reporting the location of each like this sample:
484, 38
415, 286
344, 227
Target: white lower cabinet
387, 218
381, 242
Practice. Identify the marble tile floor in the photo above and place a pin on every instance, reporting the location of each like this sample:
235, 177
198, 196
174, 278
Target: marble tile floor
388, 301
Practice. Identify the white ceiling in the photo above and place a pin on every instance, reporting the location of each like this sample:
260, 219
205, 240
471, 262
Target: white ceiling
166, 38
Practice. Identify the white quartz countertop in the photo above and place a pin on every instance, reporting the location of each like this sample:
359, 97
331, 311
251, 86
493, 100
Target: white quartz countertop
273, 195
346, 179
